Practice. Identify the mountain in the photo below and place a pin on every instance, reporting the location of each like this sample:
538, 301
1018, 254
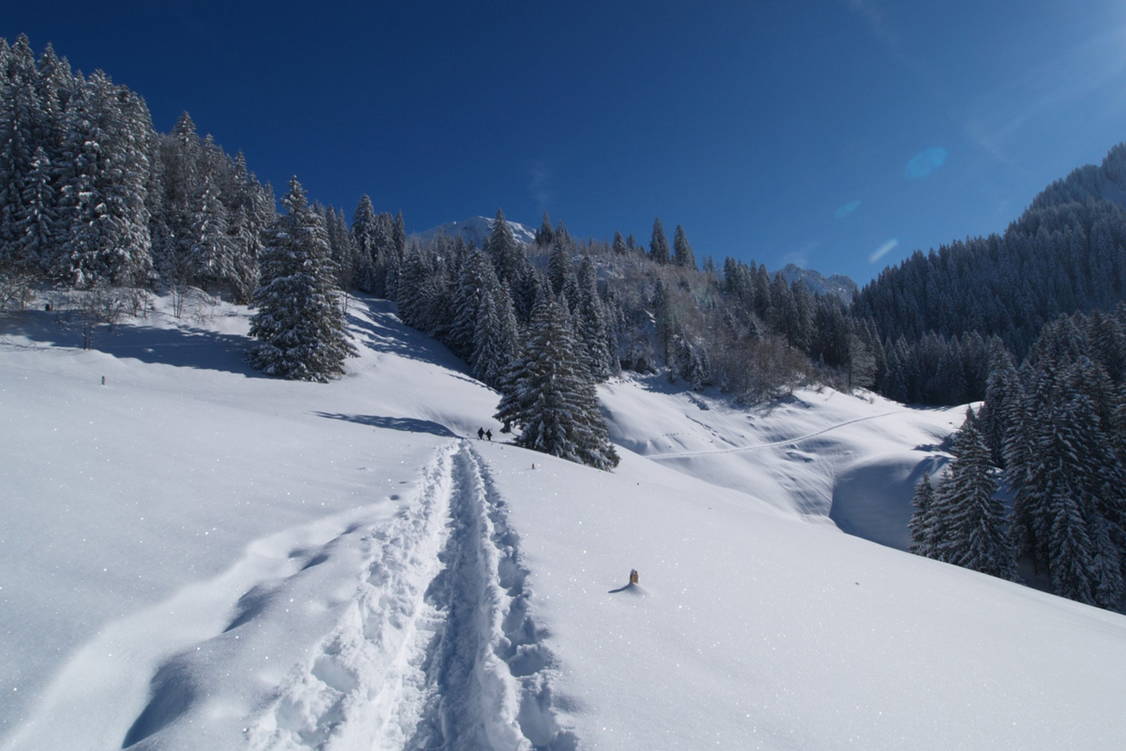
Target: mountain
1066, 252
1105, 181
474, 231
837, 284
299, 566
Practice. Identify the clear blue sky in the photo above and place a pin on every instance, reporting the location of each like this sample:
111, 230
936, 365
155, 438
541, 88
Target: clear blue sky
820, 132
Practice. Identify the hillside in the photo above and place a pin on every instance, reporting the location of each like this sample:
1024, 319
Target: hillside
198, 557
1066, 252
474, 231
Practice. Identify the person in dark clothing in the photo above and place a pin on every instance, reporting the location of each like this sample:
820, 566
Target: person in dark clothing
489, 434
480, 434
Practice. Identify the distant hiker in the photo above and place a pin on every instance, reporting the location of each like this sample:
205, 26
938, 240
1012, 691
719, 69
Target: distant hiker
480, 434
633, 577
489, 434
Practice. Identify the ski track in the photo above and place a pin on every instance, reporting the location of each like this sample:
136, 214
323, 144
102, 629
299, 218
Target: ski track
439, 650
795, 439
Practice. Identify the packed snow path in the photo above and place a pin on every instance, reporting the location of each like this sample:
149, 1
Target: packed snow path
439, 650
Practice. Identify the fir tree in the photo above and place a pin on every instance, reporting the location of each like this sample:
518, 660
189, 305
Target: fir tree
475, 282
298, 324
496, 339
365, 242
974, 532
551, 397
658, 245
592, 329
619, 245
559, 268
683, 251
506, 253
922, 541
545, 235
36, 223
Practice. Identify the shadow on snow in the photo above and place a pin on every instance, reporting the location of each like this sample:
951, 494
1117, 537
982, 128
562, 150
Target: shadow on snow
184, 347
408, 424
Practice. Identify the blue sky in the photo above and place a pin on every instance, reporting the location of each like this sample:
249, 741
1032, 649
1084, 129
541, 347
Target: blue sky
838, 134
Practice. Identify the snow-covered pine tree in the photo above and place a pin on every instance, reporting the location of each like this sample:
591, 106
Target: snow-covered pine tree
364, 240
212, 247
395, 259
1071, 549
922, 542
545, 235
20, 114
496, 342
559, 268
299, 325
551, 397
1003, 388
684, 255
36, 226
1098, 487
562, 236
592, 328
474, 283
974, 528
658, 245
102, 197
619, 245
504, 250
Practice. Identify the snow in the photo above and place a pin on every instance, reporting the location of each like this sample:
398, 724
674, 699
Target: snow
853, 458
192, 556
475, 231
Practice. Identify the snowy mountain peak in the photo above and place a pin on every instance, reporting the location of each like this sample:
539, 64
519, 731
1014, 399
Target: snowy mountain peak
475, 231
837, 284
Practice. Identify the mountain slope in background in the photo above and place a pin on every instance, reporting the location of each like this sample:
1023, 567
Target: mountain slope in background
474, 231
836, 284
193, 556
1105, 181
1066, 252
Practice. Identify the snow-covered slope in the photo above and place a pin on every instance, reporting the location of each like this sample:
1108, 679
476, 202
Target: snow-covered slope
195, 557
474, 231
823, 453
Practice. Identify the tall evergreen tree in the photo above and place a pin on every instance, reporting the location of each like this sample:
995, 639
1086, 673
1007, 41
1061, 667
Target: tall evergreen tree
559, 268
36, 225
365, 241
592, 326
551, 397
505, 251
974, 527
476, 282
496, 341
683, 251
922, 539
658, 245
298, 325
545, 235
619, 244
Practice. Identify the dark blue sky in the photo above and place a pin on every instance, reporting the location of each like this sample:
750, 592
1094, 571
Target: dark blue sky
820, 132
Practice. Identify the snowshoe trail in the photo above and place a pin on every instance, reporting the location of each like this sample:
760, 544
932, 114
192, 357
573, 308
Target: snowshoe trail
439, 649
